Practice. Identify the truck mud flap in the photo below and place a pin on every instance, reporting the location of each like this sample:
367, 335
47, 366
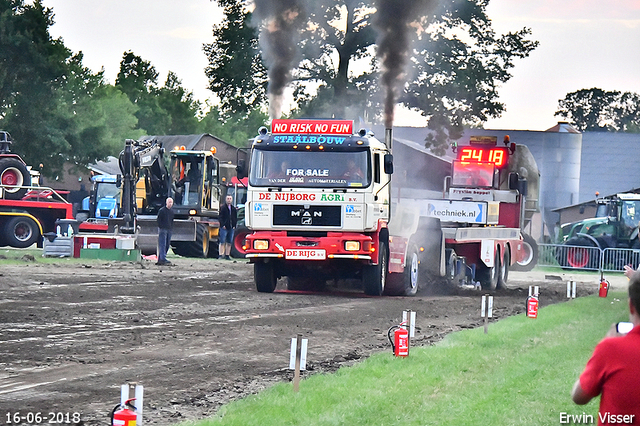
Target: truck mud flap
429, 238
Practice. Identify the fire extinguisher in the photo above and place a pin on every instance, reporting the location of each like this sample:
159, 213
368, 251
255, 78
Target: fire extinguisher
604, 288
533, 304
126, 415
400, 341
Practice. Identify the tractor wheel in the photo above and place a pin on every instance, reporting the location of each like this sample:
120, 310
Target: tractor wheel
13, 175
406, 283
264, 275
531, 257
198, 248
374, 277
487, 276
21, 232
578, 255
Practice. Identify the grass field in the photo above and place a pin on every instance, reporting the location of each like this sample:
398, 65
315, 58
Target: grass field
520, 373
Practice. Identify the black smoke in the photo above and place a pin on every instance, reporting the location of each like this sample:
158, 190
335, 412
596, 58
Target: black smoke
280, 22
392, 22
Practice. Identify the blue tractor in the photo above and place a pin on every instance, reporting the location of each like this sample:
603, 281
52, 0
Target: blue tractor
104, 201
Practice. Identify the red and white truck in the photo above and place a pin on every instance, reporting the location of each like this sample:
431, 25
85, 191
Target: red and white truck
320, 206
26, 212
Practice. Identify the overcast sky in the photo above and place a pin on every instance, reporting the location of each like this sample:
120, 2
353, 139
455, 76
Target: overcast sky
583, 44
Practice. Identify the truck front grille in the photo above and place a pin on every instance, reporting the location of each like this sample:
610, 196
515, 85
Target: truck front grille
300, 215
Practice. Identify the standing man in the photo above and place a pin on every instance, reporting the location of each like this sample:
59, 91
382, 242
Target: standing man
228, 221
614, 370
165, 225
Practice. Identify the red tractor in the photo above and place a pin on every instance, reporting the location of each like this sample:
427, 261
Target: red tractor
14, 175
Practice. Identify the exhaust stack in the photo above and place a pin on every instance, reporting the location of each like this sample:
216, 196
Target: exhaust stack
388, 137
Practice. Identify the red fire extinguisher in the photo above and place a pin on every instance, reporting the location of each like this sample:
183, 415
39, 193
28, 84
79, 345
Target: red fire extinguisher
532, 306
604, 288
400, 341
126, 416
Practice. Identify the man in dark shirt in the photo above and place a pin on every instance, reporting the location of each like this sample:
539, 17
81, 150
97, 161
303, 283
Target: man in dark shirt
165, 225
228, 221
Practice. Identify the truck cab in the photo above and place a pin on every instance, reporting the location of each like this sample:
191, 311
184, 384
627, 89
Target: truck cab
317, 202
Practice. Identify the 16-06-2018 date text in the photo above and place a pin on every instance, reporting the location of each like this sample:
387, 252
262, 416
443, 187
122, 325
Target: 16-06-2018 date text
41, 418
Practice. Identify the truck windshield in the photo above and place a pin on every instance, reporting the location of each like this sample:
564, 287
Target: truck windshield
343, 169
107, 189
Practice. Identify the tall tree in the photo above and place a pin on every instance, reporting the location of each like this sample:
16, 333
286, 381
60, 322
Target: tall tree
161, 111
597, 110
179, 105
236, 72
57, 110
138, 79
454, 68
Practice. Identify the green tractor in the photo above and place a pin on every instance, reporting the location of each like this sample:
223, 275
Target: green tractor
615, 226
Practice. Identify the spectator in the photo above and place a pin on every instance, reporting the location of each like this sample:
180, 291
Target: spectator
228, 221
614, 369
165, 225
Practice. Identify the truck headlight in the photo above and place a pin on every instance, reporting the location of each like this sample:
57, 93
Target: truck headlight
260, 244
352, 245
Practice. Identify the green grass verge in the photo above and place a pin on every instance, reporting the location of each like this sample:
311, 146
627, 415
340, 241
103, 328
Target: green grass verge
520, 373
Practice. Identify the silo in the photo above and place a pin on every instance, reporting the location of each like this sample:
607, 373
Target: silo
559, 170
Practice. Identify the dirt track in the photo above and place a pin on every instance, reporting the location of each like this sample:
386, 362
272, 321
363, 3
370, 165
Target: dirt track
196, 334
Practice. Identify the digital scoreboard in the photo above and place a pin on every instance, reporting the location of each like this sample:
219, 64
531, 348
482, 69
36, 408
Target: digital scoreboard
499, 156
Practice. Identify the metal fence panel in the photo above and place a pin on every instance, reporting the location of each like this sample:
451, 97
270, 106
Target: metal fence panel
587, 258
614, 259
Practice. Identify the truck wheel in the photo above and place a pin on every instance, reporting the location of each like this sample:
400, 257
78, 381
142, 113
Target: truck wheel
264, 275
531, 255
13, 174
374, 277
406, 283
503, 272
488, 277
21, 232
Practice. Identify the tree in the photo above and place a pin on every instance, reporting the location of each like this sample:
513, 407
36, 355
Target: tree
161, 111
453, 74
235, 128
598, 110
236, 73
138, 79
179, 105
57, 110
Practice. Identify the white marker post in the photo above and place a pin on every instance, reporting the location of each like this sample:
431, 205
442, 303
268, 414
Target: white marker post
487, 311
409, 318
298, 359
138, 393
571, 289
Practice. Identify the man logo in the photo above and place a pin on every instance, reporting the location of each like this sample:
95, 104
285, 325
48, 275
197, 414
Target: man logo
306, 221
